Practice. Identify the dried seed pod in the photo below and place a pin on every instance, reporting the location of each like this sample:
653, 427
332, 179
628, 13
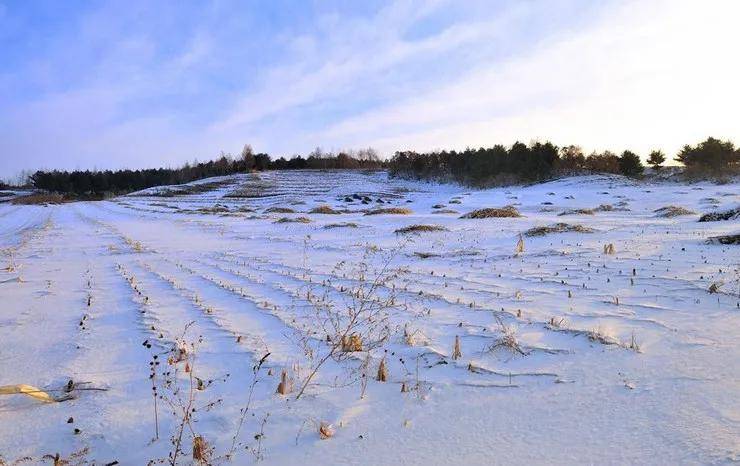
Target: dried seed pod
201, 452
326, 431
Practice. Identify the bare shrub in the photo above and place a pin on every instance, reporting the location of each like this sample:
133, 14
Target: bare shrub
507, 340
358, 324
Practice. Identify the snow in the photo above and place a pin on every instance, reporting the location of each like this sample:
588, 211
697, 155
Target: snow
641, 364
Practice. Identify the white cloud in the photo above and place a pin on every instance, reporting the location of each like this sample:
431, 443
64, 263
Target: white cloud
647, 75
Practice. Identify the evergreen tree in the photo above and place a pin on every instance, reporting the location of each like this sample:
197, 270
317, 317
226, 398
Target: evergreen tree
630, 164
656, 159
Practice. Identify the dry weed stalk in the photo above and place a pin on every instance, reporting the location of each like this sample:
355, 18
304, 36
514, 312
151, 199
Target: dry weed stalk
286, 385
519, 245
361, 322
382, 375
609, 249
456, 353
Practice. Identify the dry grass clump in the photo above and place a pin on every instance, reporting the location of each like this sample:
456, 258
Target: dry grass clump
293, 220
672, 211
725, 239
425, 255
38, 199
610, 249
419, 229
503, 212
390, 210
508, 341
382, 375
351, 344
203, 187
577, 212
602, 336
340, 225
730, 214
557, 228
279, 210
216, 209
286, 385
201, 450
445, 211
324, 209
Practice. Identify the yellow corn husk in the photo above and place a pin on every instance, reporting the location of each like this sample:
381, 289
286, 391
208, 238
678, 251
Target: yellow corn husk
30, 390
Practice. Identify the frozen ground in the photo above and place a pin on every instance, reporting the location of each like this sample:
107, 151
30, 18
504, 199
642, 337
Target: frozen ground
569, 355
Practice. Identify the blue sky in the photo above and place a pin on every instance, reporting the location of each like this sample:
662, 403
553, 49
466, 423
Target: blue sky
92, 84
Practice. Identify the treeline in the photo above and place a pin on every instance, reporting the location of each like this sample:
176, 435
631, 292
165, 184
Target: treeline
478, 167
542, 161
95, 184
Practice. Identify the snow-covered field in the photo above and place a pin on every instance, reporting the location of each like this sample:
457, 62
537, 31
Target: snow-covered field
568, 354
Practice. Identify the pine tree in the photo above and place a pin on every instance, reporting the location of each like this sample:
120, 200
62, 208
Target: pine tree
656, 159
630, 164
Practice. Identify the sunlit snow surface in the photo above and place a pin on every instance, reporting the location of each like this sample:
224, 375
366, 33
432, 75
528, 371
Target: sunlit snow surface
212, 256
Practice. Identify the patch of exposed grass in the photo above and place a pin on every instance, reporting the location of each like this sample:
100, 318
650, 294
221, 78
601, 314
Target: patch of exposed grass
324, 209
390, 210
425, 255
419, 229
503, 212
39, 199
672, 211
725, 239
577, 212
293, 220
279, 210
604, 208
557, 228
445, 211
730, 214
340, 225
